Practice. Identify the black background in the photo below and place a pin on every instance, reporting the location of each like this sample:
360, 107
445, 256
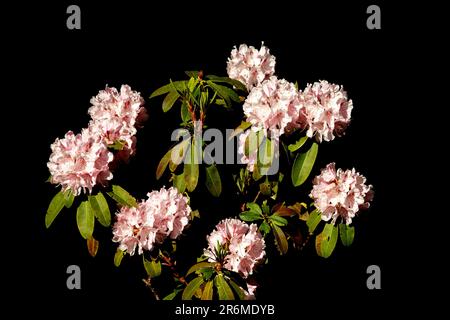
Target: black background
145, 45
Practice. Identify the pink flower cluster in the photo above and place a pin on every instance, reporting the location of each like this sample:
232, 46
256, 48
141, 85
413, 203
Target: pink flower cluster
243, 243
115, 115
272, 105
164, 214
79, 162
325, 110
339, 193
250, 66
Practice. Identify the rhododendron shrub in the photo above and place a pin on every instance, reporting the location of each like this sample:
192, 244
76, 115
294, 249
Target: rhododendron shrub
279, 124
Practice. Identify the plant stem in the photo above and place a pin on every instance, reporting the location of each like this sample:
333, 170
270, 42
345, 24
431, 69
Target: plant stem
257, 195
148, 284
168, 262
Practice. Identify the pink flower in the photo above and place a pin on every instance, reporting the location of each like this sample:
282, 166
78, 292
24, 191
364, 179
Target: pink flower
243, 244
115, 115
250, 66
325, 110
164, 214
251, 160
339, 193
272, 105
79, 162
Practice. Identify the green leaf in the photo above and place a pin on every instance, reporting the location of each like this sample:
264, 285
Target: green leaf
54, 208
238, 290
303, 165
179, 182
279, 221
280, 239
180, 85
117, 145
92, 246
254, 207
198, 266
178, 153
68, 198
239, 85
122, 196
298, 144
153, 268
313, 220
224, 290
253, 142
213, 182
163, 164
191, 168
184, 112
208, 291
192, 83
250, 216
326, 241
172, 295
194, 214
225, 93
101, 209
118, 257
169, 100
192, 74
347, 234
85, 219
191, 288
265, 157
264, 228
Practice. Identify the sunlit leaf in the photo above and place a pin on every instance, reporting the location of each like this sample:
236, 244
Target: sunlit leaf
213, 182
239, 85
238, 290
223, 288
347, 234
152, 268
121, 196
172, 295
69, 197
192, 74
303, 165
101, 209
85, 219
198, 266
279, 221
264, 228
280, 239
250, 216
180, 85
254, 207
191, 288
326, 241
169, 100
54, 208
313, 220
184, 112
118, 256
208, 291
241, 128
295, 146
179, 182
191, 168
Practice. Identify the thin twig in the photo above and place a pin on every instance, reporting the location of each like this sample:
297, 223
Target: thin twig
148, 284
168, 262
